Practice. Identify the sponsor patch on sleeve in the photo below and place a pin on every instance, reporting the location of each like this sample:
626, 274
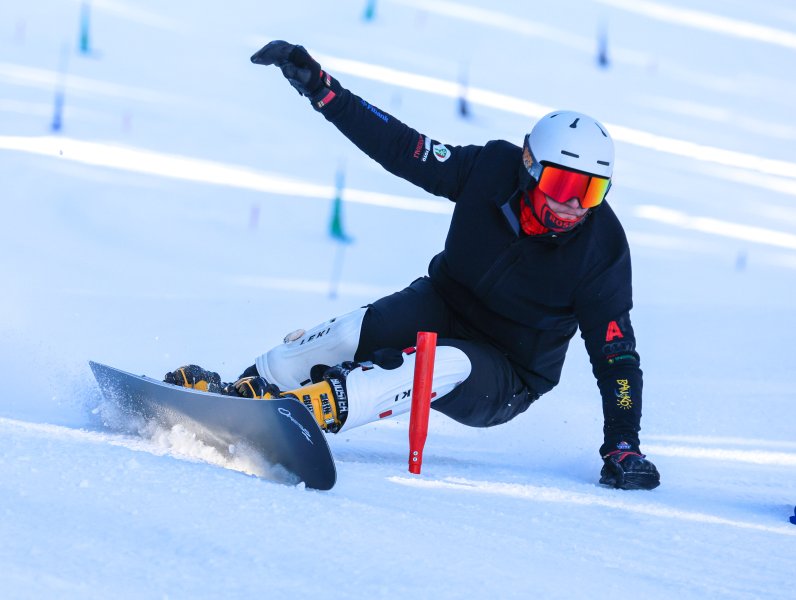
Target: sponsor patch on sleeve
441, 152
423, 148
419, 146
426, 149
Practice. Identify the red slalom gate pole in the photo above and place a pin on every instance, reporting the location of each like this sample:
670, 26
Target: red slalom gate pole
421, 398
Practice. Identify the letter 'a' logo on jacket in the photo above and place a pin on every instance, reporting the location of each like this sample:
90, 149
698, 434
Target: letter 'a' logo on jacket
441, 152
613, 332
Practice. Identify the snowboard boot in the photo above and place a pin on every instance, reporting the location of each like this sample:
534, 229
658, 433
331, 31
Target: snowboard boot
326, 399
196, 378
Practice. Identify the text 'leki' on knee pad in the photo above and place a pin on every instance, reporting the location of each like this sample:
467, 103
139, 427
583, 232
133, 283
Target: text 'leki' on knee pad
330, 343
376, 393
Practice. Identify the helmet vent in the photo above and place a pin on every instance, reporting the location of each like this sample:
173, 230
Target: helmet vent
572, 154
604, 162
575, 123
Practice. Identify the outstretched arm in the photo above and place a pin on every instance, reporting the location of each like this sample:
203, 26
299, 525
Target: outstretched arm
615, 363
602, 304
437, 168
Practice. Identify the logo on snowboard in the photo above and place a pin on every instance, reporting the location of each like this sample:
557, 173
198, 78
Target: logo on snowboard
304, 431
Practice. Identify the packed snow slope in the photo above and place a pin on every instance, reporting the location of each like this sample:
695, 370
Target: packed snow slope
180, 214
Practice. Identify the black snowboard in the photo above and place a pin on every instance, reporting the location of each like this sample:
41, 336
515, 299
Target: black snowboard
282, 431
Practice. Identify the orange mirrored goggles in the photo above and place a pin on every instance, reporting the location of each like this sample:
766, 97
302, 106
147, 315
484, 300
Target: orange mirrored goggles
563, 185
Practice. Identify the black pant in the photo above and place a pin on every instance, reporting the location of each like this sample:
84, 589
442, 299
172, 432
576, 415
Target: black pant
492, 394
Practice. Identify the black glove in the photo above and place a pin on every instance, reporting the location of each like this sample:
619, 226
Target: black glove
629, 471
299, 68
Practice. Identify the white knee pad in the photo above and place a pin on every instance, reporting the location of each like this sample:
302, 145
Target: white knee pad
330, 343
376, 393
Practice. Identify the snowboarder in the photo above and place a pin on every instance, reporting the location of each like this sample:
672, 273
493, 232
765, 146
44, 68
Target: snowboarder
533, 253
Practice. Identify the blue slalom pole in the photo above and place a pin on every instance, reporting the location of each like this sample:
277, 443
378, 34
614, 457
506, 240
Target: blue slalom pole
370, 10
337, 232
57, 123
85, 27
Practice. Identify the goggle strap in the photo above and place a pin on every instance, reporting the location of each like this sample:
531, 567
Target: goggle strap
536, 171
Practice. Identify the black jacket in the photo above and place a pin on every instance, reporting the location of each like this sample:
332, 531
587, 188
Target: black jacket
526, 295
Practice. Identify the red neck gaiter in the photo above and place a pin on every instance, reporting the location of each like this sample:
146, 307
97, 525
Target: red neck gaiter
530, 224
537, 218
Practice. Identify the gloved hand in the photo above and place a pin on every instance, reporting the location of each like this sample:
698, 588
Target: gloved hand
629, 471
299, 68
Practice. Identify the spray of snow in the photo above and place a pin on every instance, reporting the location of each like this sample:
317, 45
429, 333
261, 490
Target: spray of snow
186, 441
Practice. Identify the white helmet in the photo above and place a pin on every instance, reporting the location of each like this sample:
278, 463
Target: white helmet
571, 140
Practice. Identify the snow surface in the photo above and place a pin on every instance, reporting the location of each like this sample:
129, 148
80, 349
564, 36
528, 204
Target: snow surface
181, 215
